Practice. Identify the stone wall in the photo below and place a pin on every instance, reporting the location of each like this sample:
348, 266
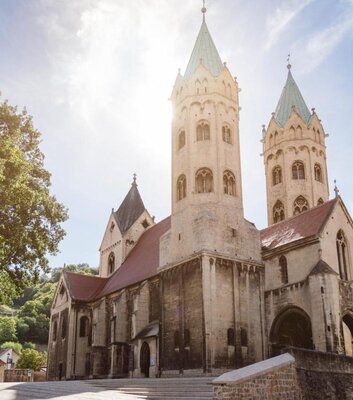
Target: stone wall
19, 375
2, 368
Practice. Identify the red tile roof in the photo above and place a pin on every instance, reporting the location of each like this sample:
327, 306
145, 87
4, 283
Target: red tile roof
141, 264
304, 225
83, 287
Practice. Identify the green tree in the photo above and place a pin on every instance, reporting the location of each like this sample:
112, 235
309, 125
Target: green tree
30, 217
82, 268
12, 345
7, 329
32, 359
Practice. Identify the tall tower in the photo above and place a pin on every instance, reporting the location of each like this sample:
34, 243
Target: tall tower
294, 156
207, 205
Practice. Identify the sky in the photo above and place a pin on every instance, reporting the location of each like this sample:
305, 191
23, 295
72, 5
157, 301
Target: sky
97, 76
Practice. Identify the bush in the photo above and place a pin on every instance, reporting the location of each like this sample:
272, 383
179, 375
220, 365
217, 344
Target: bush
32, 359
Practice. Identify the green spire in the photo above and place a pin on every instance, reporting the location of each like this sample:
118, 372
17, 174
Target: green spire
291, 97
204, 52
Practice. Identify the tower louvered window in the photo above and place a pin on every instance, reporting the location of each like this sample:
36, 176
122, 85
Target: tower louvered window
229, 183
226, 134
203, 131
278, 211
342, 255
318, 173
181, 187
300, 205
204, 181
298, 170
276, 175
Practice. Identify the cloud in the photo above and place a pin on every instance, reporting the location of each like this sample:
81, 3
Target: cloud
282, 17
313, 51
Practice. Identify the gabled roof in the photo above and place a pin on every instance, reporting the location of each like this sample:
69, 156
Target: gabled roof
83, 287
130, 209
322, 268
304, 225
141, 263
290, 97
204, 52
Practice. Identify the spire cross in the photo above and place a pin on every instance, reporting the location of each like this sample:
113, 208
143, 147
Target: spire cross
134, 178
288, 62
203, 10
336, 188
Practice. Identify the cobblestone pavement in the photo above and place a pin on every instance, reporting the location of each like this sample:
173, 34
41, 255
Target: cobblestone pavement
106, 389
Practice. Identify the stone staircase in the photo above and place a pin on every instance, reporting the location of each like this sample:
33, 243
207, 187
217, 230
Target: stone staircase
164, 388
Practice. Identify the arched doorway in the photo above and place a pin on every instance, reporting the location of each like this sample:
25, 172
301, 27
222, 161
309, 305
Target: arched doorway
292, 327
145, 359
347, 324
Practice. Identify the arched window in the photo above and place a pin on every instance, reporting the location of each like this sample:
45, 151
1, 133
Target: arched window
318, 172
299, 132
111, 263
298, 170
284, 269
203, 131
229, 183
342, 255
271, 140
320, 201
230, 337
186, 338
276, 138
176, 340
278, 211
300, 205
63, 328
204, 181
84, 324
197, 86
226, 134
55, 331
276, 175
181, 187
181, 139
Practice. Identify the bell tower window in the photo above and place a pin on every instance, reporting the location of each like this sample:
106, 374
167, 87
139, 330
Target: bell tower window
318, 173
111, 263
276, 175
278, 212
204, 181
226, 134
202, 131
181, 187
181, 140
300, 205
229, 183
298, 170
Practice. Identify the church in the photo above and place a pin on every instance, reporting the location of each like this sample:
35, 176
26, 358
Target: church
204, 291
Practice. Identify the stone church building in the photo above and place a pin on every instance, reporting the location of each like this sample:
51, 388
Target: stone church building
204, 291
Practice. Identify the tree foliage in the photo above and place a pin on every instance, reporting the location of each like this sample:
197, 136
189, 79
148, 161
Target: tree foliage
12, 345
32, 359
30, 217
8, 329
82, 268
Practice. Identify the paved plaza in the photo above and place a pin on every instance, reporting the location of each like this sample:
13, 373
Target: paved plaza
106, 389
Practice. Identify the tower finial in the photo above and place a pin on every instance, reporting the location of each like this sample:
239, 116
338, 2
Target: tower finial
134, 180
336, 188
289, 66
203, 10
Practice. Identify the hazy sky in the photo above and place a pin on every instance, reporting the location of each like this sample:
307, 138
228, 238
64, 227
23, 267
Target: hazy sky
96, 76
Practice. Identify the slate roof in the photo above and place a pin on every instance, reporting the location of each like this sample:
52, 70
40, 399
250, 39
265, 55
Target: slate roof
130, 209
204, 51
140, 264
322, 268
290, 97
304, 225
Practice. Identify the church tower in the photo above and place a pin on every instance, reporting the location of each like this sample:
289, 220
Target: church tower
207, 205
294, 154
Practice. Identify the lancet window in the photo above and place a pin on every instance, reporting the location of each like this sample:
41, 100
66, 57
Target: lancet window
276, 175
111, 263
203, 131
284, 269
226, 134
181, 187
204, 181
84, 325
181, 140
342, 255
298, 170
318, 172
229, 183
278, 211
300, 205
